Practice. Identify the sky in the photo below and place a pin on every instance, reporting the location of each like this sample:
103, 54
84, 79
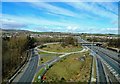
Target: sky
75, 17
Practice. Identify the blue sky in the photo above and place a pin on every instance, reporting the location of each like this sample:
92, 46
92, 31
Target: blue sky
77, 17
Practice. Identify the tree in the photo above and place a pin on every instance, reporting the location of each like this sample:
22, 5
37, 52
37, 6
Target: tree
14, 53
69, 41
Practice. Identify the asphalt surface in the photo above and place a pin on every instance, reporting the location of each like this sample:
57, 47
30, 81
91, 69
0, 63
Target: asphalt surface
29, 72
49, 63
108, 56
109, 53
110, 61
102, 78
31, 68
110, 76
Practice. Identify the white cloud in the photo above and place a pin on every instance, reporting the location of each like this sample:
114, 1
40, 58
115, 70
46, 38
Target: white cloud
59, 11
98, 30
54, 9
95, 9
8, 22
71, 28
113, 29
33, 21
11, 24
111, 7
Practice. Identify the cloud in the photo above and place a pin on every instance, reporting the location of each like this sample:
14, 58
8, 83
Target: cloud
87, 17
59, 11
11, 24
113, 29
94, 8
111, 7
71, 28
95, 30
54, 9
35, 21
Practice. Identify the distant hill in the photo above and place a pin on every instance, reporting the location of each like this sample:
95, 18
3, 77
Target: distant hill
15, 30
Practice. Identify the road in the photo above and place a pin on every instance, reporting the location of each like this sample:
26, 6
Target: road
26, 76
101, 72
49, 63
31, 68
111, 78
110, 61
110, 58
109, 53
54, 60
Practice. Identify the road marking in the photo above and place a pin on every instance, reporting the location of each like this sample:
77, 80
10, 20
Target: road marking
111, 70
110, 67
114, 72
106, 64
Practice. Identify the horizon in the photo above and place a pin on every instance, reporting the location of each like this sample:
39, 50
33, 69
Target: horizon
58, 32
77, 17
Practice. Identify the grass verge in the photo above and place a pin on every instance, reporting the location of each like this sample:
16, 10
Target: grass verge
72, 69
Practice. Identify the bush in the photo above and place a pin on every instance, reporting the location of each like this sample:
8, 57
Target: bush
42, 46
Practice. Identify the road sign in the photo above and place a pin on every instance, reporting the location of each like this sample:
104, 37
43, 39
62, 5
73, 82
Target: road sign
39, 77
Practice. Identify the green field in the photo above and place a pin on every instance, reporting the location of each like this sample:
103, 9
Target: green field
59, 48
71, 69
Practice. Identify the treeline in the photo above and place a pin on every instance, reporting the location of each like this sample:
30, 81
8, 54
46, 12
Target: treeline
69, 41
14, 53
114, 43
43, 40
63, 40
109, 42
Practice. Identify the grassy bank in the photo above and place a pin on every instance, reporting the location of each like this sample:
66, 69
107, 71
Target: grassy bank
71, 69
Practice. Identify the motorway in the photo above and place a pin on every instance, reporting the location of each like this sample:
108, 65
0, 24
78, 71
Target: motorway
109, 53
109, 59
